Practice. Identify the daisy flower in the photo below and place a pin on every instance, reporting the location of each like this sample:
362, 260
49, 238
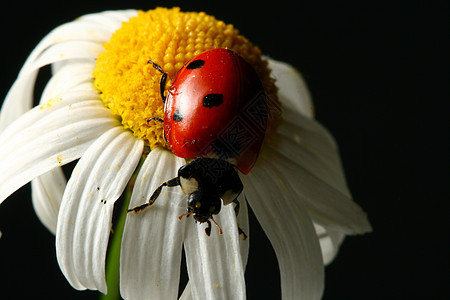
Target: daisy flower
96, 107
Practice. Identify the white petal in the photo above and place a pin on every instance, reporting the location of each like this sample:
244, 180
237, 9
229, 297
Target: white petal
18, 100
309, 163
186, 295
78, 30
110, 18
153, 239
244, 245
310, 145
82, 38
326, 205
292, 89
214, 263
312, 135
290, 230
73, 76
67, 50
49, 136
19, 97
96, 28
47, 191
85, 217
330, 241
44, 114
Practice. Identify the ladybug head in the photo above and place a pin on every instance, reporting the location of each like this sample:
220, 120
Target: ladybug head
208, 182
203, 206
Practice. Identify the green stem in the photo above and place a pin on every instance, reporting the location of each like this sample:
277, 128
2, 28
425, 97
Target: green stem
113, 255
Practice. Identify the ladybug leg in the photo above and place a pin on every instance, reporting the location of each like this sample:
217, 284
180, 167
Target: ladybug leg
208, 229
217, 224
171, 183
156, 119
244, 236
162, 83
236, 210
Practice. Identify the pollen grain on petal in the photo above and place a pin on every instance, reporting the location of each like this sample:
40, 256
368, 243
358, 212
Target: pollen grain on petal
129, 85
49, 103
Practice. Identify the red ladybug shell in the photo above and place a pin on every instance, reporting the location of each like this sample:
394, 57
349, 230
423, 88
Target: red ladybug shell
216, 107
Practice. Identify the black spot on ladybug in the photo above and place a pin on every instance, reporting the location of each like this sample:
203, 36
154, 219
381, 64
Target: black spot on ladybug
226, 147
196, 64
178, 116
211, 100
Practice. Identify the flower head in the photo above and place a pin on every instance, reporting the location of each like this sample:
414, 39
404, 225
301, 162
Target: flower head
169, 38
96, 108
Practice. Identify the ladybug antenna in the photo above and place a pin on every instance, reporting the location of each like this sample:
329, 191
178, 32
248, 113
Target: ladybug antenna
162, 83
185, 214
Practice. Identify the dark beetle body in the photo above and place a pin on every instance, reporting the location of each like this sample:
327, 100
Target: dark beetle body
210, 181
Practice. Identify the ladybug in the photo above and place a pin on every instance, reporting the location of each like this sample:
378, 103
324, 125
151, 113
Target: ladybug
215, 116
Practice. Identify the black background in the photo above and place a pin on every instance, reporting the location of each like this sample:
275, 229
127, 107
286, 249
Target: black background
377, 73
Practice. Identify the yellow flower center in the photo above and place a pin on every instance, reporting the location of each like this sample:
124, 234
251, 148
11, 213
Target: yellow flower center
129, 85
